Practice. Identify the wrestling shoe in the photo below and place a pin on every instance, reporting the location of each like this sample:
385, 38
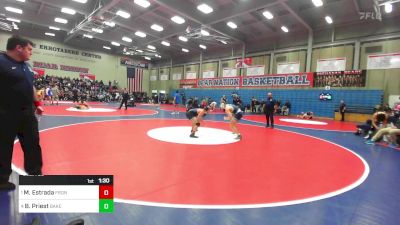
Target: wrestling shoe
370, 142
193, 136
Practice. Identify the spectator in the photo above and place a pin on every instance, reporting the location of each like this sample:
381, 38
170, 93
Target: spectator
342, 109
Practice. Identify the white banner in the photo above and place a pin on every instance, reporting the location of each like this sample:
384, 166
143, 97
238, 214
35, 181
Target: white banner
334, 64
164, 77
153, 77
176, 76
383, 61
229, 72
255, 70
208, 74
289, 67
191, 75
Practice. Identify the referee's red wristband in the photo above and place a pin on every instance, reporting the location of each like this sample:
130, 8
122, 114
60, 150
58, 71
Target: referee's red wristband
37, 103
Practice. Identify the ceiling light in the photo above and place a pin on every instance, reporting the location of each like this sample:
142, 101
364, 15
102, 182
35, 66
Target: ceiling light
285, 29
178, 19
61, 20
317, 3
151, 47
204, 32
20, 0
143, 3
80, 1
203, 46
123, 14
14, 10
157, 27
231, 25
140, 34
109, 23
97, 30
165, 43
15, 27
224, 42
115, 43
147, 58
50, 34
88, 36
54, 28
185, 50
126, 39
182, 38
68, 11
268, 15
13, 20
139, 51
206, 9
388, 7
106, 47
328, 19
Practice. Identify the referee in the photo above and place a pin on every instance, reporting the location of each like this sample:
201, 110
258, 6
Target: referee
270, 107
17, 111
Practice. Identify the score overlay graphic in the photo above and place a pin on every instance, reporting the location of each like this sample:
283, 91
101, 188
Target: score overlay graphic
66, 194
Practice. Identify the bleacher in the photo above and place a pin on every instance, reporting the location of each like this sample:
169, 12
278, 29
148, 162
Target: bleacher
358, 109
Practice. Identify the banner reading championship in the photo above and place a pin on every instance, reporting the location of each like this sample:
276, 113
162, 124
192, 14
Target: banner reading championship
277, 80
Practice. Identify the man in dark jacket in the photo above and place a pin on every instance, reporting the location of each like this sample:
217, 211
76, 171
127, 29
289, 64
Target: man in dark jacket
125, 98
270, 107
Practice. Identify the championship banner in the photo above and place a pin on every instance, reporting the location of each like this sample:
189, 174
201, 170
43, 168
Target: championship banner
87, 76
133, 63
279, 80
219, 82
349, 78
188, 83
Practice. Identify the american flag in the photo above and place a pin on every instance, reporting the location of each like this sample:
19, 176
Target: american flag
135, 79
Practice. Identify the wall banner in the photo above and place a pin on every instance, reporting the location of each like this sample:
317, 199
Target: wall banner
219, 82
348, 78
279, 80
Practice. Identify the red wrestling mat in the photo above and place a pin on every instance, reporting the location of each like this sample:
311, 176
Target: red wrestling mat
71, 103
96, 110
183, 109
263, 168
330, 125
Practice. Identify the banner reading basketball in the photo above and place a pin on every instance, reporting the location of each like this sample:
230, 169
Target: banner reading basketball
279, 80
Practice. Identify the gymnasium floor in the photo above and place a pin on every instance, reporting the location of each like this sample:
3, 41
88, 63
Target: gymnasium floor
303, 174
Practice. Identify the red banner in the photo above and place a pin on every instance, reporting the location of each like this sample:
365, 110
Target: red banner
243, 62
266, 81
188, 83
38, 72
279, 80
87, 76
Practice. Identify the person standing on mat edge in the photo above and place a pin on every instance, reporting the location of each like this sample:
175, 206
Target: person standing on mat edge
125, 98
177, 102
270, 107
342, 109
18, 101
